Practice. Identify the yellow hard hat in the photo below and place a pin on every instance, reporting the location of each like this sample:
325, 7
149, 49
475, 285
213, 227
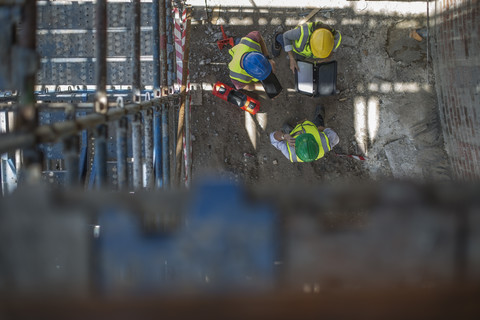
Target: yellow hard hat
321, 43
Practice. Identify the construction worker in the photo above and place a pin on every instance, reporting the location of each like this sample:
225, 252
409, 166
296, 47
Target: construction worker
310, 40
308, 141
250, 62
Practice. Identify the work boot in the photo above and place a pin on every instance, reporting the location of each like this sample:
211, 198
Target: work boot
276, 46
319, 116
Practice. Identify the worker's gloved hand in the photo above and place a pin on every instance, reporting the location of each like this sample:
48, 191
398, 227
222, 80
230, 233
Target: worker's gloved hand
293, 65
290, 140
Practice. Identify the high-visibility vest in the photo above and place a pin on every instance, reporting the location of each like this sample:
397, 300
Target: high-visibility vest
236, 71
320, 137
302, 44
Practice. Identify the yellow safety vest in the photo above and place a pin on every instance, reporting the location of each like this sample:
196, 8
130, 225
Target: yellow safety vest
236, 71
302, 45
320, 137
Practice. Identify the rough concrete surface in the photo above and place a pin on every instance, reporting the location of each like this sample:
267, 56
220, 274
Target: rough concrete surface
386, 109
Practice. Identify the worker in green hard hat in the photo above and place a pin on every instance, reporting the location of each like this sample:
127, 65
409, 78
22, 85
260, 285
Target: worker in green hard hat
308, 141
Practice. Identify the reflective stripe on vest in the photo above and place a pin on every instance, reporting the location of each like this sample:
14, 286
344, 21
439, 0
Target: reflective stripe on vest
320, 137
236, 71
302, 45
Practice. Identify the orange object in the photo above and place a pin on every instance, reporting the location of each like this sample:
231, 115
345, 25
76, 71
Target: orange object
235, 97
226, 40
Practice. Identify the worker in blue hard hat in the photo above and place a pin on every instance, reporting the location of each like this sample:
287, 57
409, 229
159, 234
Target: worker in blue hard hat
250, 62
308, 141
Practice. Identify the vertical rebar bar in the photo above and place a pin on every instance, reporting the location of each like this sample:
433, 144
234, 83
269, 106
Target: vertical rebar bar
148, 176
163, 48
101, 156
156, 45
101, 103
157, 147
137, 151
183, 92
122, 178
170, 45
71, 149
188, 160
27, 115
136, 79
165, 148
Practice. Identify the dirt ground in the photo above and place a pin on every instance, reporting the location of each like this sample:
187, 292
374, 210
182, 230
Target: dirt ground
386, 109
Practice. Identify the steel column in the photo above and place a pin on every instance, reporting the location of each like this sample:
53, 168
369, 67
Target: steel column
163, 48
188, 160
71, 148
122, 178
148, 176
157, 146
170, 44
101, 103
136, 79
165, 148
101, 156
156, 45
137, 151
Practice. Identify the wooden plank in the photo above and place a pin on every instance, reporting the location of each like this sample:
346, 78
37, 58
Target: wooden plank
310, 15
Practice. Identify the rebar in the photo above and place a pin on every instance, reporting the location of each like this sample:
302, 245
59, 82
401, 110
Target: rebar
137, 151
136, 79
165, 148
101, 103
122, 178
148, 176
100, 160
156, 44
71, 147
163, 48
157, 146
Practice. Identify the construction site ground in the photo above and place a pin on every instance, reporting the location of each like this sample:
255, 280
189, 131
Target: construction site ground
385, 110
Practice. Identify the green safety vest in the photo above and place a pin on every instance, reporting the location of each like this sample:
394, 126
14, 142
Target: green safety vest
320, 137
236, 71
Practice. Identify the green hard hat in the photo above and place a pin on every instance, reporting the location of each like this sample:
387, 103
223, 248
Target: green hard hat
306, 147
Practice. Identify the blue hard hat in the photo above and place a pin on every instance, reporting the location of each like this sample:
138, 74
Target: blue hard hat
257, 65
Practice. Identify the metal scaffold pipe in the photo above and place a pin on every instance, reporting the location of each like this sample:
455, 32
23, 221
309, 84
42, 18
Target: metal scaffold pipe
137, 151
157, 146
71, 147
53, 132
122, 177
100, 159
165, 148
170, 45
136, 78
156, 46
101, 102
163, 47
148, 175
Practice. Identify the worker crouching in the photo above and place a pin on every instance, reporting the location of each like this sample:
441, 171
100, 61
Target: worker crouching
313, 40
250, 62
308, 141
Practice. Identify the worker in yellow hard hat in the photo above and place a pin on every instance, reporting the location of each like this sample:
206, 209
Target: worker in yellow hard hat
310, 40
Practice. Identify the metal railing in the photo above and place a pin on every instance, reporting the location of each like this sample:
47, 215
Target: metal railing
148, 117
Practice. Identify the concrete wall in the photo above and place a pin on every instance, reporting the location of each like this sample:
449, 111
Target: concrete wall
456, 52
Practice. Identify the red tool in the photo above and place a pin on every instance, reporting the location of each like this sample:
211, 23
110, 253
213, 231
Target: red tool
351, 156
239, 99
225, 40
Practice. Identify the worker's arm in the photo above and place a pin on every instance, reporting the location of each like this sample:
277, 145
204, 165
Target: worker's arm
265, 52
280, 136
289, 39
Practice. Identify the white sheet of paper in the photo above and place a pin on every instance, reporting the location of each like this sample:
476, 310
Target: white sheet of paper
305, 77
